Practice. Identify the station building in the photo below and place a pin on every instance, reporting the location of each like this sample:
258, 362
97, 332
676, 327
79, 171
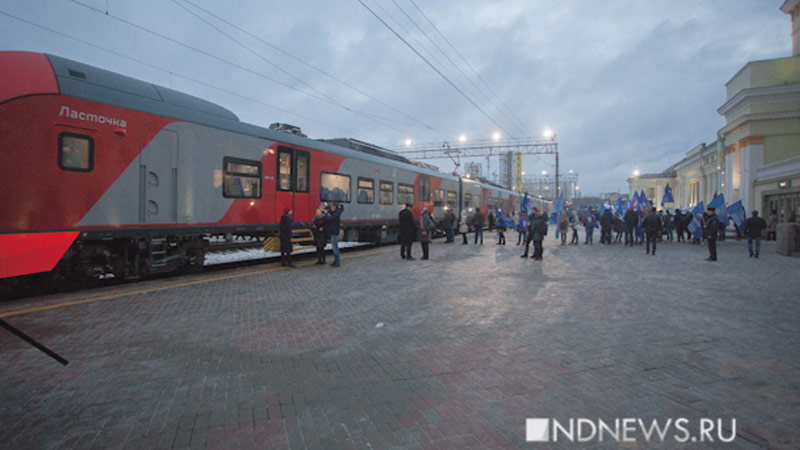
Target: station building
756, 157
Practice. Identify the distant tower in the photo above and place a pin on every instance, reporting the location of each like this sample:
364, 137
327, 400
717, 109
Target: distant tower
792, 7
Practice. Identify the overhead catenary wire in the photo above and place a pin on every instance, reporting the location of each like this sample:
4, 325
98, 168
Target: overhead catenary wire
419, 44
368, 116
504, 129
318, 69
500, 100
224, 61
476, 88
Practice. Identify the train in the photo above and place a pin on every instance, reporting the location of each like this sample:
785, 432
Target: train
106, 175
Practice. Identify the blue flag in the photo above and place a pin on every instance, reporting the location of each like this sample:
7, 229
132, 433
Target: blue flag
619, 208
558, 208
696, 226
667, 198
503, 220
644, 204
525, 206
635, 203
719, 208
736, 211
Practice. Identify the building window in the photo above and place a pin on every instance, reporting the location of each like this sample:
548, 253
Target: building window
651, 196
405, 194
241, 178
452, 199
424, 188
366, 190
438, 197
334, 187
386, 193
75, 152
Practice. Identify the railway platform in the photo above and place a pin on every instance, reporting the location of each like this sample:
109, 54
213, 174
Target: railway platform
453, 352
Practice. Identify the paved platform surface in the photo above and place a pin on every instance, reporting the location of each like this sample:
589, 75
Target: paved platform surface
473, 342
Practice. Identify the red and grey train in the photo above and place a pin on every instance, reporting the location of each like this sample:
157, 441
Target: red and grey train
105, 174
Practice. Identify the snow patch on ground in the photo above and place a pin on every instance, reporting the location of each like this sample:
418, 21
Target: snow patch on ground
231, 256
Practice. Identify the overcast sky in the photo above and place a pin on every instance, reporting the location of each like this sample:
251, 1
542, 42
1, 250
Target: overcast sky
624, 84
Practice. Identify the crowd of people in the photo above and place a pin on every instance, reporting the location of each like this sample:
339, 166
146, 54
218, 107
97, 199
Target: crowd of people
630, 229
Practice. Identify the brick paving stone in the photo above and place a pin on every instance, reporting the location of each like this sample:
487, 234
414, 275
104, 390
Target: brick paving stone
473, 342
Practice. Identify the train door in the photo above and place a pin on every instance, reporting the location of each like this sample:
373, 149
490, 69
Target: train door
158, 171
292, 183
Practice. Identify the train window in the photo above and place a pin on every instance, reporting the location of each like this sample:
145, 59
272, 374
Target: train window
241, 178
452, 198
386, 193
334, 187
284, 170
438, 197
467, 200
75, 152
366, 190
424, 188
301, 171
405, 194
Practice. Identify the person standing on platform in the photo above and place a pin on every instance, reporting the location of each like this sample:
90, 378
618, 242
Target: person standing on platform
463, 227
669, 225
589, 221
426, 227
679, 227
332, 221
449, 224
772, 226
501, 233
477, 222
652, 228
563, 226
408, 229
606, 224
522, 229
573, 223
491, 219
532, 232
539, 231
712, 228
320, 237
619, 228
631, 219
753, 228
286, 238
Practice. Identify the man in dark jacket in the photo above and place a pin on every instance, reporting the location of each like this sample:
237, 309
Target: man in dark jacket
320, 236
752, 230
712, 228
286, 239
631, 219
679, 224
477, 223
606, 224
538, 232
652, 228
408, 229
332, 222
449, 223
535, 233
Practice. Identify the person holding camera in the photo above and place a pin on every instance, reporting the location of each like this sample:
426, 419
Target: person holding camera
332, 222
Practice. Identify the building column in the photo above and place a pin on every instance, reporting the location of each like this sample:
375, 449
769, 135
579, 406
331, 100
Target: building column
751, 159
728, 178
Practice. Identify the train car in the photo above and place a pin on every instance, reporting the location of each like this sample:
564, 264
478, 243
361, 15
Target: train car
106, 174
